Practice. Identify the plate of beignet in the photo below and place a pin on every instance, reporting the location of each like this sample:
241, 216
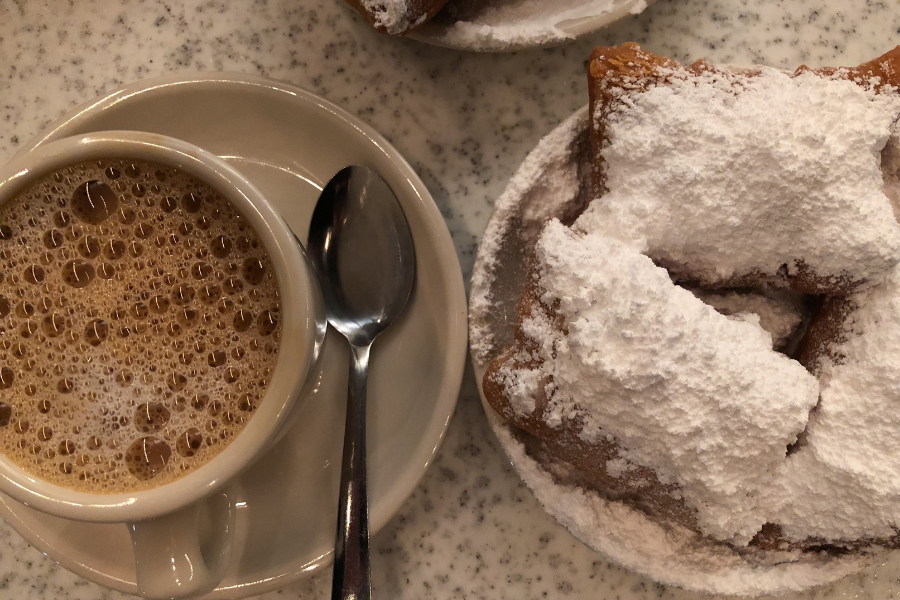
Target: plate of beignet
685, 314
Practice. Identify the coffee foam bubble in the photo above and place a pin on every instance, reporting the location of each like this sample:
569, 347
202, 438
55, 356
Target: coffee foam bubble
139, 325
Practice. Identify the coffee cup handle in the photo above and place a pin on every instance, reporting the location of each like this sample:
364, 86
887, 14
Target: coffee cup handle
174, 556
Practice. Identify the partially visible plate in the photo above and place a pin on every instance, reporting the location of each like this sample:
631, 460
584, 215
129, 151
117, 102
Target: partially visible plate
554, 181
289, 142
507, 25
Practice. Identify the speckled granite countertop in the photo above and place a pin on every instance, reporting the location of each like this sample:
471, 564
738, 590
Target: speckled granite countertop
465, 121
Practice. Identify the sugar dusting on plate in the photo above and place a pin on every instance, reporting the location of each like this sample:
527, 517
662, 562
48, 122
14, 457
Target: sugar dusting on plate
503, 25
547, 184
667, 553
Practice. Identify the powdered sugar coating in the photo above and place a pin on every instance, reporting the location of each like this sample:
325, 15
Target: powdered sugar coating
391, 15
668, 553
777, 311
750, 174
677, 384
845, 482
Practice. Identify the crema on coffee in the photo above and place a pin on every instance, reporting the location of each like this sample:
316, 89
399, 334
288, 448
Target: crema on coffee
139, 325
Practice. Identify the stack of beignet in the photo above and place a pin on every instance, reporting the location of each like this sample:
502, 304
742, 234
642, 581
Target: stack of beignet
716, 339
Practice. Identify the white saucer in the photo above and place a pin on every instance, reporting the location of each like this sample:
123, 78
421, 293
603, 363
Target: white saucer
553, 181
507, 25
289, 143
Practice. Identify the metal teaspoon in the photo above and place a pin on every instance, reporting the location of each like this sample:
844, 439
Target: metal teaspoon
362, 250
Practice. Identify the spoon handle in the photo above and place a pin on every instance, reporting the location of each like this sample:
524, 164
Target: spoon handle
352, 577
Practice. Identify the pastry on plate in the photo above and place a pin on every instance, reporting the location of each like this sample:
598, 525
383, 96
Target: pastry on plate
715, 339
397, 17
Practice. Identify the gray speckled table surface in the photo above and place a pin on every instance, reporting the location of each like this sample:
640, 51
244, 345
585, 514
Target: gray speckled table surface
465, 121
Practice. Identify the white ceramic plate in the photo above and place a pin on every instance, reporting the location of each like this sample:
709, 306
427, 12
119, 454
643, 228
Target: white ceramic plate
507, 25
289, 142
552, 182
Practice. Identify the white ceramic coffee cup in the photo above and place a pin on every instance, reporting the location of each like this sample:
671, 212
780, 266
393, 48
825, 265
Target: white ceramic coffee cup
173, 559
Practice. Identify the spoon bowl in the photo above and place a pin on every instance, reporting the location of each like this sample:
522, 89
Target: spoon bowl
362, 251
